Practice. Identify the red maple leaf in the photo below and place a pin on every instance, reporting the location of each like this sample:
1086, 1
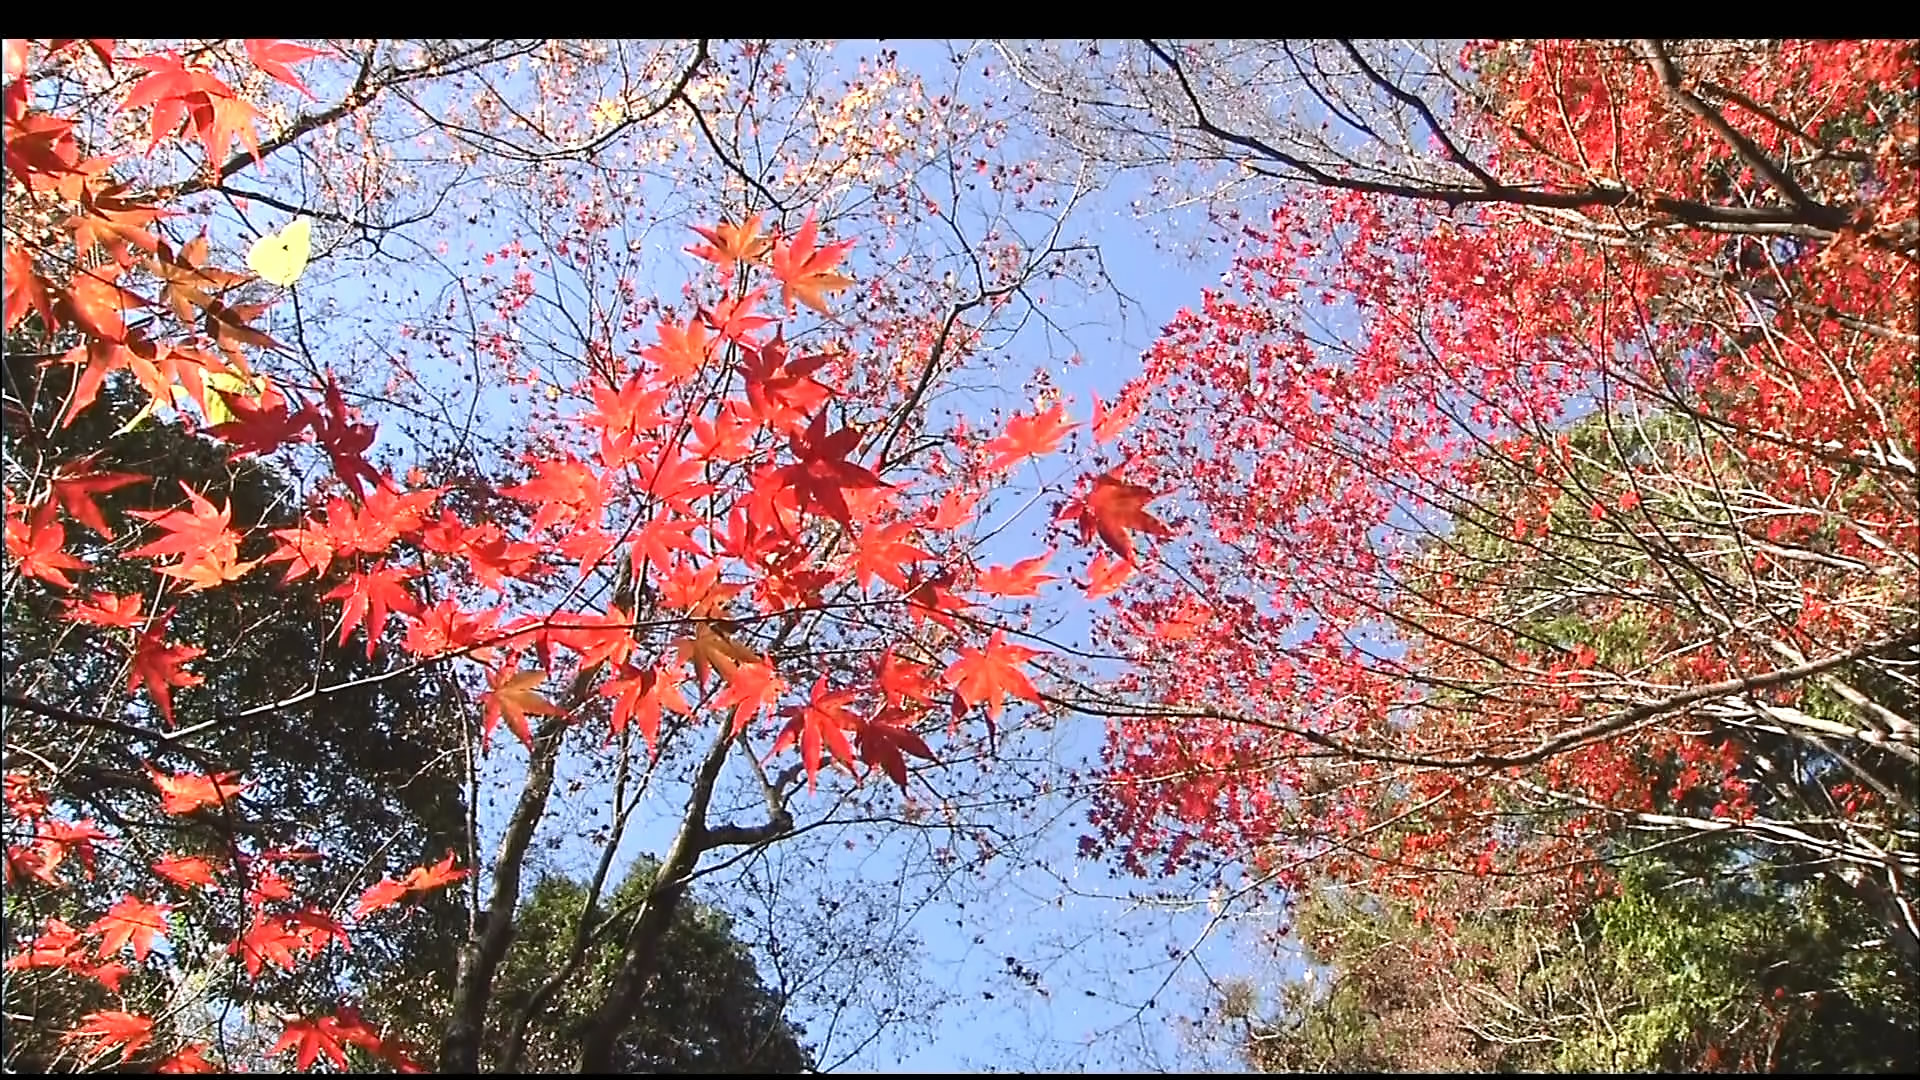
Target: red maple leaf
75, 489
130, 921
1104, 575
1021, 579
734, 319
821, 472
269, 940
1030, 436
883, 552
188, 1059
311, 1038
882, 744
37, 542
109, 1028
59, 945
25, 290
563, 487
821, 721
207, 547
990, 675
196, 530
1115, 509
639, 694
372, 596
185, 871
106, 609
682, 351
262, 425
161, 666
344, 440
1110, 422
751, 689
381, 894
782, 391
273, 57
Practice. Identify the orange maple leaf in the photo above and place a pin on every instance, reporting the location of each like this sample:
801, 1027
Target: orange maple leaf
732, 243
512, 696
806, 274
682, 351
183, 793
387, 891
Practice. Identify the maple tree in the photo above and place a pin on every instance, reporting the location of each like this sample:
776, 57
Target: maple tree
709, 512
1541, 475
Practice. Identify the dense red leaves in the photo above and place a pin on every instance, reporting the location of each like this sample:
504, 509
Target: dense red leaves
1373, 523
712, 468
